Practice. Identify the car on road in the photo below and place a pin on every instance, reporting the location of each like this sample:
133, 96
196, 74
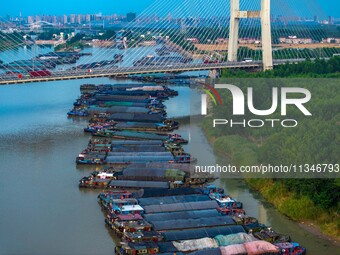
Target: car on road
247, 60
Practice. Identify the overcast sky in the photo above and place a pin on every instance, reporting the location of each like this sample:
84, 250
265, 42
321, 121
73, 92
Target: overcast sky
59, 7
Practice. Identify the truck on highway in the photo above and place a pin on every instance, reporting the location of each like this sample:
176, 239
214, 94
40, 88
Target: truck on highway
40, 73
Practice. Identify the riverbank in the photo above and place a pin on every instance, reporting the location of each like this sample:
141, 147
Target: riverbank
312, 142
301, 209
324, 224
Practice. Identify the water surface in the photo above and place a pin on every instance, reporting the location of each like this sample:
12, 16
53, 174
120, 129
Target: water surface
42, 211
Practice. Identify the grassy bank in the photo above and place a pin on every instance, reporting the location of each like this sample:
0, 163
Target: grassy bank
298, 208
301, 208
315, 140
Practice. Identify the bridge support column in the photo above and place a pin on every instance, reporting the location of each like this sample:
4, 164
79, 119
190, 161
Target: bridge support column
213, 74
233, 30
267, 51
264, 15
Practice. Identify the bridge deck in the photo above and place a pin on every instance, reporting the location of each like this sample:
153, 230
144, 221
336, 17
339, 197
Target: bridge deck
121, 71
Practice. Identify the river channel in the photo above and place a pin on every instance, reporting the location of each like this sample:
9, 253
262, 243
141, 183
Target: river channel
42, 210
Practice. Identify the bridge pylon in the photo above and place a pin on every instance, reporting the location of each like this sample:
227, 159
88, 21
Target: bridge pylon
264, 14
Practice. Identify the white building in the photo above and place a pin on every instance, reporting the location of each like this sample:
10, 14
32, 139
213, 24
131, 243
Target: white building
331, 40
295, 40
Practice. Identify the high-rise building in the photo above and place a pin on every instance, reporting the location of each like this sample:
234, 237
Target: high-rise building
330, 20
37, 18
131, 16
65, 19
60, 19
72, 18
169, 17
30, 19
98, 17
79, 19
88, 17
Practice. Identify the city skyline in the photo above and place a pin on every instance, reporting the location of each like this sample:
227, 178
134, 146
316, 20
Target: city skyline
39, 7
82, 19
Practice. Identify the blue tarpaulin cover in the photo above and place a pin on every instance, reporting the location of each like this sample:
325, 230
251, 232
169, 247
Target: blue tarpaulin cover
173, 199
182, 215
189, 206
188, 234
192, 223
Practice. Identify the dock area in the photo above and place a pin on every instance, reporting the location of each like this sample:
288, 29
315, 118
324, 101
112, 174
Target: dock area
149, 197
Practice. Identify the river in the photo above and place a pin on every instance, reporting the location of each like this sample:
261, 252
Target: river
42, 209
97, 54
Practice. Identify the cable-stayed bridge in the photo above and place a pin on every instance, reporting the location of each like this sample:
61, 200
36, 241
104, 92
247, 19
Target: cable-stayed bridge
179, 36
123, 71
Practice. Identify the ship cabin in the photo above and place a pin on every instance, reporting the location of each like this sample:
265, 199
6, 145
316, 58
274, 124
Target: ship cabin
127, 209
137, 248
144, 236
115, 205
209, 189
292, 248
131, 226
226, 201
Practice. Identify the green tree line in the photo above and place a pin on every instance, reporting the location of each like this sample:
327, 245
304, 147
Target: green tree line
10, 40
307, 69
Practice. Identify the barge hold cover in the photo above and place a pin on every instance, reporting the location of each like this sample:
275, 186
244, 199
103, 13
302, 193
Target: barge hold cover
192, 223
138, 184
181, 207
138, 148
212, 251
127, 134
256, 248
144, 153
135, 142
169, 173
104, 97
131, 159
136, 117
178, 235
239, 238
117, 109
196, 244
173, 199
167, 192
182, 215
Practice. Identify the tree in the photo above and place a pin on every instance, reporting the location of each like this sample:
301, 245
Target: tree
108, 35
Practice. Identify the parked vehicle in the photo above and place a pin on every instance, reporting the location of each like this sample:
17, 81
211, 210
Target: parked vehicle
247, 60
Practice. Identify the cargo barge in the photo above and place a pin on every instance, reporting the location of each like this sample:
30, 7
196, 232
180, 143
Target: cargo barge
154, 205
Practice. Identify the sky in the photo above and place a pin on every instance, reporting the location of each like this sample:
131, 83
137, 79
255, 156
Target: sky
60, 7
